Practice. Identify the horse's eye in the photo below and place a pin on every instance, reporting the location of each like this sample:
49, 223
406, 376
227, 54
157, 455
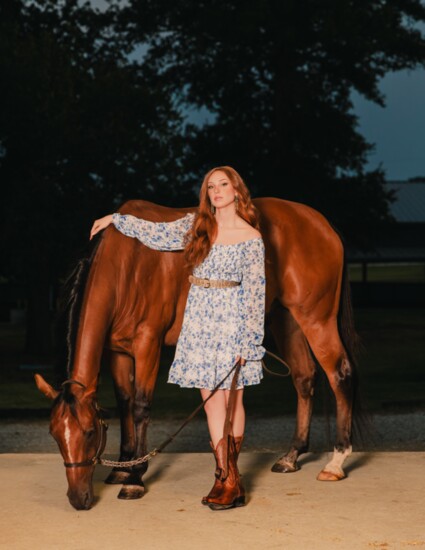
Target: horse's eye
90, 433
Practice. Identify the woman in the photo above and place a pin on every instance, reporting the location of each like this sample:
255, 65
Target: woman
224, 315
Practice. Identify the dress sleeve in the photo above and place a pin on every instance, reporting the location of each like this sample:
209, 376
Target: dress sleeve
253, 301
164, 236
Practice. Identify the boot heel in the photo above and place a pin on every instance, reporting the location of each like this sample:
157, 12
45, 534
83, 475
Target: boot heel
240, 501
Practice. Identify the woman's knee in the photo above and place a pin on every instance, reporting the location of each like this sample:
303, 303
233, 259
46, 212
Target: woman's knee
215, 405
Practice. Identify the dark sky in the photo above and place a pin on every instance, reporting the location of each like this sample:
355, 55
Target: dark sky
398, 130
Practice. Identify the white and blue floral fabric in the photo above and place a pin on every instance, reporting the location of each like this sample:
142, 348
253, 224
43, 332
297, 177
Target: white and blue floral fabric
219, 323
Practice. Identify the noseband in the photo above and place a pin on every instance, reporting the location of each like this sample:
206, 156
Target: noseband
102, 431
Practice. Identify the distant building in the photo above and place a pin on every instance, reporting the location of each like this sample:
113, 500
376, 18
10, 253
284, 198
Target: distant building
404, 241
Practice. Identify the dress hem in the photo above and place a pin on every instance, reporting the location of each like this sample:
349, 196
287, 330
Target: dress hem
199, 387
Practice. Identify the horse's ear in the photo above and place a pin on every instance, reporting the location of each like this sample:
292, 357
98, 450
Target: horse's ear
44, 387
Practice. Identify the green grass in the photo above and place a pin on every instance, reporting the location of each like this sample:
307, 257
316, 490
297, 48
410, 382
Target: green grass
389, 273
391, 370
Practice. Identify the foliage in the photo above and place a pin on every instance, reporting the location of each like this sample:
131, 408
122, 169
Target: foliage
81, 129
277, 78
93, 113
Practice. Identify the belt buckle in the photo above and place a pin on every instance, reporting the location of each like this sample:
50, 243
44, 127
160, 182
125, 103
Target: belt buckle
206, 283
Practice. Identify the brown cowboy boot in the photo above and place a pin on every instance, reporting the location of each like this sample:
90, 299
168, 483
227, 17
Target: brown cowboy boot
218, 484
229, 492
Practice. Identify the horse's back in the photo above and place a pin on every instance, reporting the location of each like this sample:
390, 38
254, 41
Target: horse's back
304, 254
154, 212
284, 217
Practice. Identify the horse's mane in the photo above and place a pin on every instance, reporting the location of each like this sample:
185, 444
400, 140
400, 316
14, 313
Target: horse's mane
71, 300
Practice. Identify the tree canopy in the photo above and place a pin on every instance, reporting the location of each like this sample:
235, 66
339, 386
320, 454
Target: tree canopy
81, 129
277, 78
87, 121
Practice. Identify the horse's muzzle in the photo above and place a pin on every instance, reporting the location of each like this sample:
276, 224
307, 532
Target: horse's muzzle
81, 500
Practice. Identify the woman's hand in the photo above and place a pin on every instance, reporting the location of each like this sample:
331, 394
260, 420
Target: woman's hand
243, 361
100, 224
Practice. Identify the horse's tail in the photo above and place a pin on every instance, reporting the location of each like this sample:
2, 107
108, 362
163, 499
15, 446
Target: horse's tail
352, 344
347, 331
71, 300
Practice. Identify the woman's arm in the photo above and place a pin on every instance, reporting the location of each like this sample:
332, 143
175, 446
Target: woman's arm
164, 236
253, 302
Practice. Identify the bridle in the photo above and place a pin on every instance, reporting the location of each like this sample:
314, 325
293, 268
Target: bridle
103, 427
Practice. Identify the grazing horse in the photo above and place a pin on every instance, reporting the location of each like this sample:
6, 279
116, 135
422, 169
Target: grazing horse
131, 301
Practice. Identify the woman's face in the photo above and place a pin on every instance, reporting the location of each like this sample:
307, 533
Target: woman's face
220, 189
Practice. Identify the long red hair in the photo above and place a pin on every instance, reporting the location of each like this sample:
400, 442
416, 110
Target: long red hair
204, 229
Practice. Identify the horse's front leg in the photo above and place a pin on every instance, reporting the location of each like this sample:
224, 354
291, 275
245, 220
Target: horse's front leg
293, 345
122, 369
147, 354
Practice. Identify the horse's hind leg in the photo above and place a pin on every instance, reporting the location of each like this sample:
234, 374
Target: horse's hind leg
147, 352
325, 342
122, 369
293, 346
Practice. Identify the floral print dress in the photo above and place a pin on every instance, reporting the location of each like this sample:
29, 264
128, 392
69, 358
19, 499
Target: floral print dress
219, 323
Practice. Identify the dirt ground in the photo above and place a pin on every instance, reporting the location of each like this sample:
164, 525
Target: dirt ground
379, 505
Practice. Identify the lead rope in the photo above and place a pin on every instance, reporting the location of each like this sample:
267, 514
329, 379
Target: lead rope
280, 361
154, 452
227, 425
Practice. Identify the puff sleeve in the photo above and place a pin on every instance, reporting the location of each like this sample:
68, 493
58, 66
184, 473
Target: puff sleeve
164, 236
253, 298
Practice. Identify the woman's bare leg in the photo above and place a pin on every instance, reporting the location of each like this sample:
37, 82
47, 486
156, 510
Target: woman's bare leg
238, 416
215, 410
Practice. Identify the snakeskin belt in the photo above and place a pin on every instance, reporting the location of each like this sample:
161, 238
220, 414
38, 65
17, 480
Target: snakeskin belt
212, 283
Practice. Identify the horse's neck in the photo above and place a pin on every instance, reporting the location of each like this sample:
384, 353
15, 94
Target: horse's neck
88, 352
94, 322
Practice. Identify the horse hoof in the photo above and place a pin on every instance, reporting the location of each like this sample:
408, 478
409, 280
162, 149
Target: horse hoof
117, 478
282, 467
131, 492
330, 476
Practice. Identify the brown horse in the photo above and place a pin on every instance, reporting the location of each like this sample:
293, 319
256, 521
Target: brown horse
133, 303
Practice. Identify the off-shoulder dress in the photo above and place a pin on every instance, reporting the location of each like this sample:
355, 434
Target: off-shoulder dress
219, 323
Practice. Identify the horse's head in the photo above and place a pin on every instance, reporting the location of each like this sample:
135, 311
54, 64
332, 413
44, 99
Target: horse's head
80, 432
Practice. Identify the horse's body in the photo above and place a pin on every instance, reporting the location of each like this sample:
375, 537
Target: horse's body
134, 301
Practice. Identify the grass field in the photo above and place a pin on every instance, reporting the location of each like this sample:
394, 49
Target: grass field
389, 273
391, 367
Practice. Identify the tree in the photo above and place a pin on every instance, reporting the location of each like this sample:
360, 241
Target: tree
81, 129
277, 78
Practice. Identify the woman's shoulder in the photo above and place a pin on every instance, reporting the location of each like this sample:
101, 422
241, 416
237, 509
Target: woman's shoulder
253, 233
249, 232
